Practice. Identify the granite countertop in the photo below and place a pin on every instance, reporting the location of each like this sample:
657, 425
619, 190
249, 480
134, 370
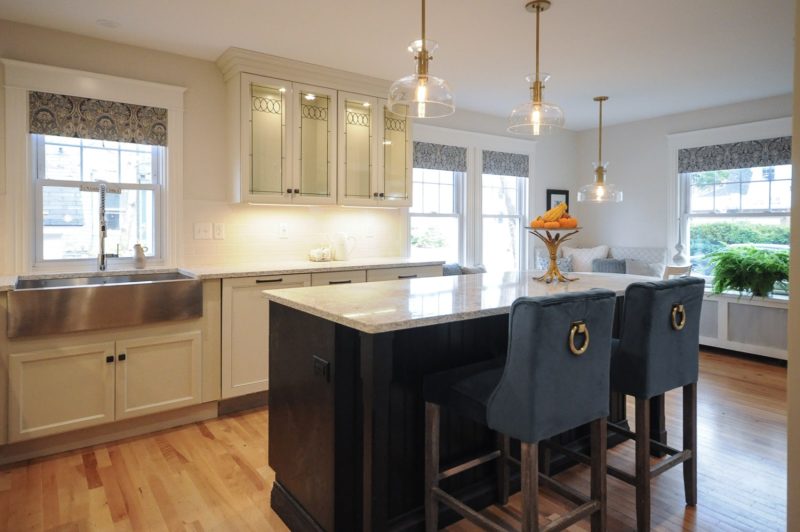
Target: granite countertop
394, 305
247, 270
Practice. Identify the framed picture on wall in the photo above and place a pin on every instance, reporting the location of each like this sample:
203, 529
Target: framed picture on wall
554, 197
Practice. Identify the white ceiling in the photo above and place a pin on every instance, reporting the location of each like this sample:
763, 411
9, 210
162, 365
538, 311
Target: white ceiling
652, 57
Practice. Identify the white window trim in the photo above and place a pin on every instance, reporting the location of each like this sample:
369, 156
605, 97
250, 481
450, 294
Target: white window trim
476, 143
779, 127
20, 78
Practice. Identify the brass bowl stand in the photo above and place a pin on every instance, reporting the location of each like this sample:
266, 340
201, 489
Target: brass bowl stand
552, 241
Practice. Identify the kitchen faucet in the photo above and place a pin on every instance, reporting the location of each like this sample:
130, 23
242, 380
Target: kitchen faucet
102, 256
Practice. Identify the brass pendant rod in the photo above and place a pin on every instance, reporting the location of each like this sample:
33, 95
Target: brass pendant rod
600, 136
423, 24
538, 11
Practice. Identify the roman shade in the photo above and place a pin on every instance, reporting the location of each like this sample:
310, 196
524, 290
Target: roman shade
440, 157
502, 163
88, 118
748, 154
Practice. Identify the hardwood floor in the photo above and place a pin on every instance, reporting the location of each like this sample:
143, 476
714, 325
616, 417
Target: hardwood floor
214, 476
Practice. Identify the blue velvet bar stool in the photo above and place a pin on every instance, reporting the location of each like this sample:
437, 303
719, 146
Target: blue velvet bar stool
658, 351
555, 378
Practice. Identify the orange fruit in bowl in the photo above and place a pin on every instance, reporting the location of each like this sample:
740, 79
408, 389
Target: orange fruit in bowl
552, 225
568, 223
538, 223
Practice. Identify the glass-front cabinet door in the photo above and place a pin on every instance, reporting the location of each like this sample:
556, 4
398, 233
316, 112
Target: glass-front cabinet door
395, 154
358, 153
265, 168
314, 145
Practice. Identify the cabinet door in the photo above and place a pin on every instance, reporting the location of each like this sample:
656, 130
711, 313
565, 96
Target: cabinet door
157, 373
394, 158
345, 277
266, 151
60, 389
314, 145
245, 331
358, 165
407, 272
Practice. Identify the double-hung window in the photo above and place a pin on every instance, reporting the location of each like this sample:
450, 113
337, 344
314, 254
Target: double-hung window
80, 145
734, 195
436, 217
504, 194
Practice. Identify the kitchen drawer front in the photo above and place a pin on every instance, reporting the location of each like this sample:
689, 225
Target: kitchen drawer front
345, 277
410, 272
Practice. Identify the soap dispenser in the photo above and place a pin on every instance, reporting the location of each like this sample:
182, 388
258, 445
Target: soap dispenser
139, 260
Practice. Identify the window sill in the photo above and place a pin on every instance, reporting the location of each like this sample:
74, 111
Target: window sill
771, 300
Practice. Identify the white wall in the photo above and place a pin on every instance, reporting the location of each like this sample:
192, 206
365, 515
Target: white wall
639, 163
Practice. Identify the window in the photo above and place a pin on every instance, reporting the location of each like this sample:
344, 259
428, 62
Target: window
67, 171
504, 214
735, 206
95, 164
435, 216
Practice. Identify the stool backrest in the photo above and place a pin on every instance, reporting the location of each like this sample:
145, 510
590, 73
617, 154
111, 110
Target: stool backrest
655, 354
546, 388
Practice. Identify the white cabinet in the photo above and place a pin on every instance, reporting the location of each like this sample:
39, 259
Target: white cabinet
407, 272
374, 153
345, 277
245, 331
65, 388
286, 149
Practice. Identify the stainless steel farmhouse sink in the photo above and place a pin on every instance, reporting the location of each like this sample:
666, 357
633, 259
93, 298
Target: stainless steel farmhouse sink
85, 303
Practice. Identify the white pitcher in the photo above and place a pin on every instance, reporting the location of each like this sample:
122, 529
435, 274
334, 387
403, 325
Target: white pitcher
343, 245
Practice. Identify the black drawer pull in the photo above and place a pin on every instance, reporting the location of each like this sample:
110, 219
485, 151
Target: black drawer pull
121, 357
288, 190
269, 280
297, 191
109, 359
412, 276
341, 282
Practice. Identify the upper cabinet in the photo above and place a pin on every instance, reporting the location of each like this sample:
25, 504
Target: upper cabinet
374, 153
310, 136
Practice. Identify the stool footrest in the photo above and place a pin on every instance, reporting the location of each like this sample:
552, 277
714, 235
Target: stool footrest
572, 517
654, 444
565, 491
669, 463
468, 513
624, 476
460, 468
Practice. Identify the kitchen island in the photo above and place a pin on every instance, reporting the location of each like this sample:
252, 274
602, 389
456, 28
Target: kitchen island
346, 410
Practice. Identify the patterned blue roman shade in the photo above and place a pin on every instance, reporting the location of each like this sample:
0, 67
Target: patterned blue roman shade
502, 163
748, 154
88, 118
440, 157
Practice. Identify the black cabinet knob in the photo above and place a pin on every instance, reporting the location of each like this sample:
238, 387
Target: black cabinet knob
121, 357
109, 359
297, 191
288, 190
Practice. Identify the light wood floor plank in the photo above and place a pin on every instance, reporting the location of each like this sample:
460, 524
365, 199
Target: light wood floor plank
213, 476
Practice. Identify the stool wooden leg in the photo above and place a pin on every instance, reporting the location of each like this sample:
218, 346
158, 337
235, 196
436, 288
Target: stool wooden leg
690, 442
431, 466
642, 465
598, 479
530, 486
502, 469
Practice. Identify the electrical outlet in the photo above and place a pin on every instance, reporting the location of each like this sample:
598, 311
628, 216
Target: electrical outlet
202, 230
283, 230
219, 231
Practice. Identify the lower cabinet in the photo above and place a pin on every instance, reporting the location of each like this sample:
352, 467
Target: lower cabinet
407, 272
67, 388
245, 331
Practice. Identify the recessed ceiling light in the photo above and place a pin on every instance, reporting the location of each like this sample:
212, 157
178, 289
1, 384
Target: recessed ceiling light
106, 23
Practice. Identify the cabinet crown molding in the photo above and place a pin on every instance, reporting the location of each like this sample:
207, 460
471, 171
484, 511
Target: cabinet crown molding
235, 61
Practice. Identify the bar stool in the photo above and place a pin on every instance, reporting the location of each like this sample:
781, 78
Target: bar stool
554, 379
658, 351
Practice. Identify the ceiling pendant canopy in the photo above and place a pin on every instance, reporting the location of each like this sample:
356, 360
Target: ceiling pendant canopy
600, 191
420, 94
536, 117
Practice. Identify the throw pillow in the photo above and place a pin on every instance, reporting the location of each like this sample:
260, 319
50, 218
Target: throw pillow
640, 267
478, 268
608, 266
564, 263
451, 268
582, 257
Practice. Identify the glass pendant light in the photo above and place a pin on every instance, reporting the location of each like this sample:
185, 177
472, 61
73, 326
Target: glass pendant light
536, 117
600, 191
420, 94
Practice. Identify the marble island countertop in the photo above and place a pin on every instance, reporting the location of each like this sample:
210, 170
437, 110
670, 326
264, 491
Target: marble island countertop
394, 305
284, 267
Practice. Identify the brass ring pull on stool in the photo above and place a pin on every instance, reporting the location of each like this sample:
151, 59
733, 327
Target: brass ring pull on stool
676, 310
578, 327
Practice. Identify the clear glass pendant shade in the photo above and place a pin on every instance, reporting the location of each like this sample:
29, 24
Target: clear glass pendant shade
533, 117
421, 95
600, 191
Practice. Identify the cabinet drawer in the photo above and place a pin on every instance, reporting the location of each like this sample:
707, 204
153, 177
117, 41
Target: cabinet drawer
345, 277
409, 272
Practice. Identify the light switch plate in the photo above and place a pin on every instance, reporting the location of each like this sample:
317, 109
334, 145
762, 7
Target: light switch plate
219, 231
202, 230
